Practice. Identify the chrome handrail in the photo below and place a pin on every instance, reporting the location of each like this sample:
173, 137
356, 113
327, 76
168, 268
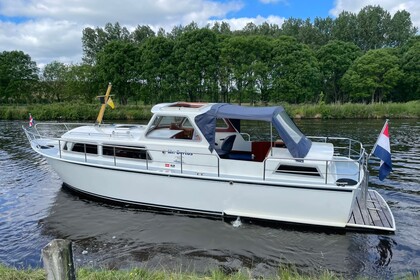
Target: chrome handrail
361, 160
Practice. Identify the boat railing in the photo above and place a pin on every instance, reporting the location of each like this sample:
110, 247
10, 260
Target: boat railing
325, 172
343, 146
210, 167
53, 129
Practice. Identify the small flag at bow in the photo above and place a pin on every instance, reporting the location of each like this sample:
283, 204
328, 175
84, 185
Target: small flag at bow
31, 121
382, 150
110, 103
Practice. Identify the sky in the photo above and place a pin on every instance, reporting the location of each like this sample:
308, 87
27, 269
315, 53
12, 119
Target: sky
51, 30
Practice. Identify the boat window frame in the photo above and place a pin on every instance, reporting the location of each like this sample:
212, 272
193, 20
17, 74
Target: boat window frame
189, 131
87, 148
128, 150
290, 127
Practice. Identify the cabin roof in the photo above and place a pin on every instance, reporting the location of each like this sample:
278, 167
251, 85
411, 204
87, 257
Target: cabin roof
189, 108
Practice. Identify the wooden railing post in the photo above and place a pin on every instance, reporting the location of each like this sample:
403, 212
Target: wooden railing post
57, 257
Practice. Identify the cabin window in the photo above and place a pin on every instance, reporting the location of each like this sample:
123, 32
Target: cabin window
298, 170
290, 126
221, 124
80, 147
126, 152
173, 127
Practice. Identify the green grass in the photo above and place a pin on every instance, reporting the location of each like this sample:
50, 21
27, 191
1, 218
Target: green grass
356, 110
283, 273
73, 112
88, 112
137, 273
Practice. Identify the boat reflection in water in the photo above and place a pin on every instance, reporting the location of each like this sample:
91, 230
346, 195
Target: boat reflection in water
113, 236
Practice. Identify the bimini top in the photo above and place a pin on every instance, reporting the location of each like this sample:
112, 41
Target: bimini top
296, 142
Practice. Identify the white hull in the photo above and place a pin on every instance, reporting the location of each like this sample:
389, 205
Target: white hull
209, 195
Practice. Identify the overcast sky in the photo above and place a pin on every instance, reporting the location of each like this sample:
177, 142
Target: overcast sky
51, 30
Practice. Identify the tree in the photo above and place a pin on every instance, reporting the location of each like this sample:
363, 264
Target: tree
82, 82
262, 49
250, 29
411, 70
401, 29
94, 40
373, 75
291, 27
295, 71
238, 57
158, 70
116, 65
373, 27
346, 27
197, 54
335, 59
54, 80
324, 30
18, 77
142, 33
307, 34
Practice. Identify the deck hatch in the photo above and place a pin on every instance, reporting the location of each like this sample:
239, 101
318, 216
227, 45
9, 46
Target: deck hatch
298, 170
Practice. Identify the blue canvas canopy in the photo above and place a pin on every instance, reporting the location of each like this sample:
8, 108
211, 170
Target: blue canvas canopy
297, 143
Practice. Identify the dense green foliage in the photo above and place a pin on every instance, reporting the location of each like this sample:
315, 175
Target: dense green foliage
366, 57
88, 112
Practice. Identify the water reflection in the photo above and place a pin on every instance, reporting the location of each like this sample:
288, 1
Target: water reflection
113, 236
384, 249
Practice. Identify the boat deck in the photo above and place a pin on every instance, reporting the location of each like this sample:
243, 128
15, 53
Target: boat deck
376, 216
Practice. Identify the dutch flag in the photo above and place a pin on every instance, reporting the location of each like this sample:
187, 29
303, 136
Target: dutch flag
382, 150
31, 121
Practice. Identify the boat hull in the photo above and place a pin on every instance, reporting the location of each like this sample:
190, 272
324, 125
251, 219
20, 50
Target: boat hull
215, 196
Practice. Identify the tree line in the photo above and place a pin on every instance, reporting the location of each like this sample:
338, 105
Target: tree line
366, 57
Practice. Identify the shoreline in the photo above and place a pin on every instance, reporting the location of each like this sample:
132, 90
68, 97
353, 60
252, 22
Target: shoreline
88, 112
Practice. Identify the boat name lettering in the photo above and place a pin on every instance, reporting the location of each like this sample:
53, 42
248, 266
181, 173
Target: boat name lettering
177, 152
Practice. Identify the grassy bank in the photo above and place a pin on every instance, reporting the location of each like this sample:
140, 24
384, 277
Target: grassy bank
136, 273
356, 110
73, 112
88, 112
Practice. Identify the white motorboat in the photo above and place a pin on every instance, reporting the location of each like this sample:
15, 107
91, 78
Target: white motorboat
193, 157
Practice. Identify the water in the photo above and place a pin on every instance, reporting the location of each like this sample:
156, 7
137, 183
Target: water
34, 209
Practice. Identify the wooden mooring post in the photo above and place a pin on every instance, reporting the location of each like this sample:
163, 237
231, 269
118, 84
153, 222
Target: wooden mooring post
57, 257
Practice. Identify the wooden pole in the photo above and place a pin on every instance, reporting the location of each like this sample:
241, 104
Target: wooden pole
57, 257
102, 110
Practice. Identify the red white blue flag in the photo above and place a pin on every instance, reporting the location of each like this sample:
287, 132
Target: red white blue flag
31, 121
382, 150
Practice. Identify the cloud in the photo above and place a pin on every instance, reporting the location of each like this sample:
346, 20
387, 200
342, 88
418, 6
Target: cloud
44, 40
411, 6
274, 1
127, 12
50, 30
240, 23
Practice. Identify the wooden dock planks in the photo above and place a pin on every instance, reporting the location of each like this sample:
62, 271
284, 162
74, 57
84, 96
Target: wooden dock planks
376, 215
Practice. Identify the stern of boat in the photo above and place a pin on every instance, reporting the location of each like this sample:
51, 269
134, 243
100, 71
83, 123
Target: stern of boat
369, 210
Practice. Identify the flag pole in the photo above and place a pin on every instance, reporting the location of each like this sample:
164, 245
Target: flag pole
376, 143
102, 110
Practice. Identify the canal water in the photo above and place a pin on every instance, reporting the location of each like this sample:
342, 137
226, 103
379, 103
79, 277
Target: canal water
34, 209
